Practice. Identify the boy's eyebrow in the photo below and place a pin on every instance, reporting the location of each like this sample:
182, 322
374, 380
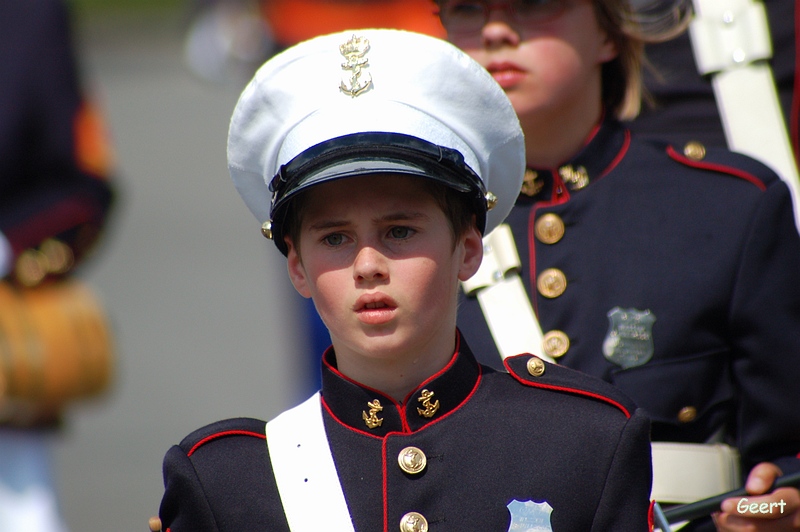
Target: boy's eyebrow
400, 216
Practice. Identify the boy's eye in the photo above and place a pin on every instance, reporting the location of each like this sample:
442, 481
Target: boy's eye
335, 239
400, 232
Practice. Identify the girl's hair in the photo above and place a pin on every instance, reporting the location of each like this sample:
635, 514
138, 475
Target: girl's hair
630, 24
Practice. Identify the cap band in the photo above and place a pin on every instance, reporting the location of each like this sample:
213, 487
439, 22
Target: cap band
373, 153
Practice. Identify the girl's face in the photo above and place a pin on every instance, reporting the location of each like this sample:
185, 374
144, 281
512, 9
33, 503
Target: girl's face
549, 66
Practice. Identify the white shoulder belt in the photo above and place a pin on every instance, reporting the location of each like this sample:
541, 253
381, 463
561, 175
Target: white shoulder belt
301, 458
731, 42
502, 297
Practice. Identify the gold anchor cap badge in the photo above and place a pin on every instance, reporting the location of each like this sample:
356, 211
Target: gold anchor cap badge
354, 51
430, 408
372, 420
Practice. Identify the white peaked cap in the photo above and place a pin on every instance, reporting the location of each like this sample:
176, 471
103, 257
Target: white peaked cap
321, 105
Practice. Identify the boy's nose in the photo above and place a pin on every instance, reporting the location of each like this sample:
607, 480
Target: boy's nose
370, 264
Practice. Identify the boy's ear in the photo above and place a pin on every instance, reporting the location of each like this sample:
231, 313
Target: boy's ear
297, 273
473, 254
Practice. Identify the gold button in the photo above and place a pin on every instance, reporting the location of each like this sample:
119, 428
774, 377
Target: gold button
695, 151
551, 283
413, 522
536, 366
59, 256
687, 414
491, 201
31, 267
155, 524
555, 344
549, 228
266, 229
412, 460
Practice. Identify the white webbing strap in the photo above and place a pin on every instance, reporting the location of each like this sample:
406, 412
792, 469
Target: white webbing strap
503, 299
301, 458
731, 41
689, 472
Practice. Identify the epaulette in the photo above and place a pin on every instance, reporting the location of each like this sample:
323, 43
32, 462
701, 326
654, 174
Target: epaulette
235, 427
533, 371
720, 160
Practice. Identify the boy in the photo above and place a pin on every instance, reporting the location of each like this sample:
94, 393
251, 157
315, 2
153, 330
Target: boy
381, 185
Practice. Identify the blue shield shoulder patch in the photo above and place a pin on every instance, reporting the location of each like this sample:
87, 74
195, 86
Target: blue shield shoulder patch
529, 516
629, 341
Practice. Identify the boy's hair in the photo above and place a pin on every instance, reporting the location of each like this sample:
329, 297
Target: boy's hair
456, 206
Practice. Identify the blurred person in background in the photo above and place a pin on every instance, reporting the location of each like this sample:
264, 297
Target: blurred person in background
228, 39
671, 272
55, 163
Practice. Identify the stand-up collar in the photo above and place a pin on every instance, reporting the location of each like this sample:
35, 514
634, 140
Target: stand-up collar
604, 148
370, 411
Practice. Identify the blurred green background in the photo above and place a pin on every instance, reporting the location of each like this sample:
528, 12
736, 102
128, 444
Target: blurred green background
99, 8
106, 6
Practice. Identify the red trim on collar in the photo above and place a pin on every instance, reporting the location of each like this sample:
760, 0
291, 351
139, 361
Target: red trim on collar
224, 434
438, 373
716, 168
620, 155
352, 381
651, 517
575, 391
401, 409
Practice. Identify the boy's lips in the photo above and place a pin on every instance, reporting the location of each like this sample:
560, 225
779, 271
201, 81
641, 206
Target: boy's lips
506, 74
374, 309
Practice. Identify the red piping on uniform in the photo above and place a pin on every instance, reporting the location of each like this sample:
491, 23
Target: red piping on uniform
33, 230
620, 155
222, 435
345, 425
568, 390
385, 487
348, 379
438, 373
716, 168
651, 518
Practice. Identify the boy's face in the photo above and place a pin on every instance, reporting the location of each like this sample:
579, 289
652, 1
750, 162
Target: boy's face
376, 254
548, 68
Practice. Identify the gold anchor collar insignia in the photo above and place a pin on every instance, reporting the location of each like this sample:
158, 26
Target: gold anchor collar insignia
372, 420
531, 184
354, 52
576, 178
429, 408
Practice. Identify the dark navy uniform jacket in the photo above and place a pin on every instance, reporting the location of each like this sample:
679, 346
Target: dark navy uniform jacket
700, 254
54, 157
562, 437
